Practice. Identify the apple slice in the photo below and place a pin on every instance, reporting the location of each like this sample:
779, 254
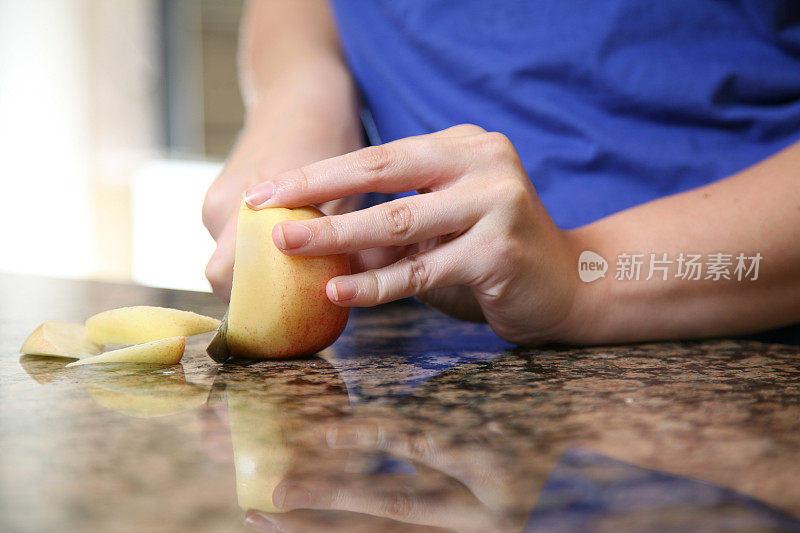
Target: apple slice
134, 325
163, 352
60, 339
278, 305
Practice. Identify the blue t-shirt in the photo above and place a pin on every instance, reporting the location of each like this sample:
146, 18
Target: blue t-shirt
610, 103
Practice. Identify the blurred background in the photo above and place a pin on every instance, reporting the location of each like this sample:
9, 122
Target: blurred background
115, 117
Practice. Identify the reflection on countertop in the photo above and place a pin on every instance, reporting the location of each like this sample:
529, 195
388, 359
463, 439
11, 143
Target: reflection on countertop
411, 421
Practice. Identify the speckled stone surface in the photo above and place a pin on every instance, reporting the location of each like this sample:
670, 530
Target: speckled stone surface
410, 422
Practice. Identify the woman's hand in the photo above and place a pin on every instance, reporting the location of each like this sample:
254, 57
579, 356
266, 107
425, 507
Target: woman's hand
472, 483
477, 243
294, 126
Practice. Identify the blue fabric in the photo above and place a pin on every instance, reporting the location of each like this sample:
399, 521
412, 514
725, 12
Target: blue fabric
610, 103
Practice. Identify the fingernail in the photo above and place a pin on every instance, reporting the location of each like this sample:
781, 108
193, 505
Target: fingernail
292, 236
258, 195
290, 496
344, 290
259, 522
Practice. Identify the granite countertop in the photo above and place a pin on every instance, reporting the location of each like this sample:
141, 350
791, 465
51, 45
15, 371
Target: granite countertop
410, 418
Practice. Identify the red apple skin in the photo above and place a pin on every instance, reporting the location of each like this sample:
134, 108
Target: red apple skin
279, 308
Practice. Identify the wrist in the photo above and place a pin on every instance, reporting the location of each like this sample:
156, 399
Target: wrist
587, 321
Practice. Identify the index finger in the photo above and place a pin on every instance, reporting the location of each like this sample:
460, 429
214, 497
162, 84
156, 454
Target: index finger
424, 162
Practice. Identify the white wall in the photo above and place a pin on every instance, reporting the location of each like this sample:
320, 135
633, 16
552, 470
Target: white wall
84, 189
45, 212
170, 245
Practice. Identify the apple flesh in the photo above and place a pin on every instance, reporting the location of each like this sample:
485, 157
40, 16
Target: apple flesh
138, 324
261, 455
278, 427
164, 352
278, 306
60, 339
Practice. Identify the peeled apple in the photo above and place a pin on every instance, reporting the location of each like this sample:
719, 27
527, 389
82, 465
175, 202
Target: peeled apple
278, 305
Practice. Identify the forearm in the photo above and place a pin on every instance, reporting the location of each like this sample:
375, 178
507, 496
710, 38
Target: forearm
312, 114
291, 70
292, 75
301, 103
313, 105
754, 211
284, 42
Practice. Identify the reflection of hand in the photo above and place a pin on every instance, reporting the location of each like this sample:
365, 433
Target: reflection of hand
480, 244
467, 486
282, 133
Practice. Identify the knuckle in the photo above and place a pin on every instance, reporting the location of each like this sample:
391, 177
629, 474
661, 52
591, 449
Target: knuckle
497, 139
400, 505
399, 219
496, 145
211, 274
297, 180
421, 446
513, 191
213, 208
384, 440
485, 477
468, 129
506, 256
212, 268
215, 274
328, 231
418, 273
379, 293
376, 160
500, 252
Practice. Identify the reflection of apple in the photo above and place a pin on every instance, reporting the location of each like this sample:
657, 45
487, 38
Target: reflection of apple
276, 414
146, 405
43, 368
162, 352
63, 339
141, 393
135, 379
261, 455
133, 325
278, 304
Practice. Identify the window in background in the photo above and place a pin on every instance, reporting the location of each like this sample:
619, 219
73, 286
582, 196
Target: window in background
108, 110
45, 139
200, 40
